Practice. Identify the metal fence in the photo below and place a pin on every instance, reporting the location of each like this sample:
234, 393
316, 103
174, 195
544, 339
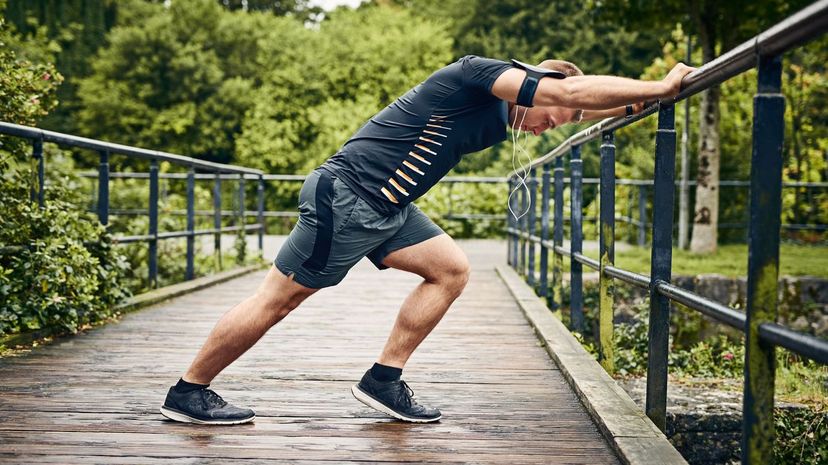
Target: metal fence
637, 216
762, 333
217, 173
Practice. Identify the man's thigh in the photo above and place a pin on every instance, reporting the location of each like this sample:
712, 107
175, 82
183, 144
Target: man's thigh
416, 227
433, 259
420, 247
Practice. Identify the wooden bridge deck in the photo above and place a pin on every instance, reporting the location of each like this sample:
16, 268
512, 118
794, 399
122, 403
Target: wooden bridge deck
94, 398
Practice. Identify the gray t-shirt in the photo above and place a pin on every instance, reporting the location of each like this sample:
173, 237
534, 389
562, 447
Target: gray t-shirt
412, 143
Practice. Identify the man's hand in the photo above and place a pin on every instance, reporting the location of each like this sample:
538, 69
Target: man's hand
674, 77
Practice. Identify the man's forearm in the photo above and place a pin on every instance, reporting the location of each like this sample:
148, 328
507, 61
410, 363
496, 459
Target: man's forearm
591, 115
599, 92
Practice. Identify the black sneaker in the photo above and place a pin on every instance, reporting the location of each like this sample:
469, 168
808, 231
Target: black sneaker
205, 407
394, 398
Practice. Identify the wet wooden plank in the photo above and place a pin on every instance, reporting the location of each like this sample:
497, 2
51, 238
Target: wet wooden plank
94, 398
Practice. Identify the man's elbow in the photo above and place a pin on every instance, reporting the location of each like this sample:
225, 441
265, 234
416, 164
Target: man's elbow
557, 92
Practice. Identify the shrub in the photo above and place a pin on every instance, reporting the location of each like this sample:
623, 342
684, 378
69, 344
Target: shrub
58, 270
49, 278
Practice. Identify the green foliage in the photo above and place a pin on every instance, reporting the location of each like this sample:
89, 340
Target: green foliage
52, 279
177, 81
801, 435
716, 357
801, 431
58, 268
75, 28
27, 89
719, 356
326, 82
532, 31
806, 136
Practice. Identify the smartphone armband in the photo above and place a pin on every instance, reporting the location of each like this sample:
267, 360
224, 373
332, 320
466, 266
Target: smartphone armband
530, 82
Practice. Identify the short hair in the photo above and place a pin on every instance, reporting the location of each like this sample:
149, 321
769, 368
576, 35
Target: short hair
569, 69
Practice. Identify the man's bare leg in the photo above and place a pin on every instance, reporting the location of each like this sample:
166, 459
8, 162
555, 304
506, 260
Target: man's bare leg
245, 324
445, 271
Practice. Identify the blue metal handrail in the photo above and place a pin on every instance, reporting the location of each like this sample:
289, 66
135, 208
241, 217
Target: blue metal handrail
105, 149
639, 222
762, 332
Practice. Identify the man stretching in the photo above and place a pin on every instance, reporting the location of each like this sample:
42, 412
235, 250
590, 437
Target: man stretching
358, 203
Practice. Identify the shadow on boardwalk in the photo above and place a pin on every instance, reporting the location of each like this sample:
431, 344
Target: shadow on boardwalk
94, 398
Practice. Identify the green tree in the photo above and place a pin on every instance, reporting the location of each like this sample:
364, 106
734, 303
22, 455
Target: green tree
532, 31
300, 9
78, 28
719, 26
806, 134
316, 95
180, 80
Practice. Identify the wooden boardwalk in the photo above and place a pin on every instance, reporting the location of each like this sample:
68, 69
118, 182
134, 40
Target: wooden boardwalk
94, 398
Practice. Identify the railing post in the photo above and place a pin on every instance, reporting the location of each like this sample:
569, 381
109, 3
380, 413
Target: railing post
242, 220
531, 226
523, 228
642, 207
190, 272
660, 264
543, 290
217, 220
631, 223
508, 222
153, 224
260, 190
557, 236
576, 296
103, 188
606, 251
763, 261
37, 193
513, 237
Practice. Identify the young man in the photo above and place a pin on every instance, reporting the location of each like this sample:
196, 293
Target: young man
359, 203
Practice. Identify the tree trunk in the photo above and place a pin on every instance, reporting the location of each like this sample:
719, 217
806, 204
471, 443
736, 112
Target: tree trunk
706, 212
706, 209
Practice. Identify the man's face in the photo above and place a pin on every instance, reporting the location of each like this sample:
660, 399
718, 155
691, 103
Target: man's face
539, 119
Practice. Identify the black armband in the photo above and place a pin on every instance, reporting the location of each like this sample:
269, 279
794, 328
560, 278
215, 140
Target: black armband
530, 82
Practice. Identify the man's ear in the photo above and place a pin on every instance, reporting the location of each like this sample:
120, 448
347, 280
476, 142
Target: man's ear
577, 116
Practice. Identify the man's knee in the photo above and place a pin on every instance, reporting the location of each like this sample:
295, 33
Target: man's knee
455, 274
280, 295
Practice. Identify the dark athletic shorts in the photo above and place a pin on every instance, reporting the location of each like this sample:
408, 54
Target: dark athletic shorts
336, 228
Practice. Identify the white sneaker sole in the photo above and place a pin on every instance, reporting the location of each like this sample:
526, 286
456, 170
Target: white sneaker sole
366, 399
184, 418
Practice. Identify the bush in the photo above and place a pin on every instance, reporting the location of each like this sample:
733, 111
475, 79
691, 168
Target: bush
49, 278
801, 435
58, 270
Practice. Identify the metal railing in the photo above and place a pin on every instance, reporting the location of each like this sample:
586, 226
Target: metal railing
762, 333
298, 179
105, 149
637, 216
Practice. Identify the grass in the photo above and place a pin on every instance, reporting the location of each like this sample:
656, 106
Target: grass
801, 380
729, 260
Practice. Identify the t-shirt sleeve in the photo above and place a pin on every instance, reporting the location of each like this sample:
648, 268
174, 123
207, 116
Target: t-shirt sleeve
481, 73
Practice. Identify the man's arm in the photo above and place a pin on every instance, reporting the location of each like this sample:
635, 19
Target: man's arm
591, 92
592, 115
